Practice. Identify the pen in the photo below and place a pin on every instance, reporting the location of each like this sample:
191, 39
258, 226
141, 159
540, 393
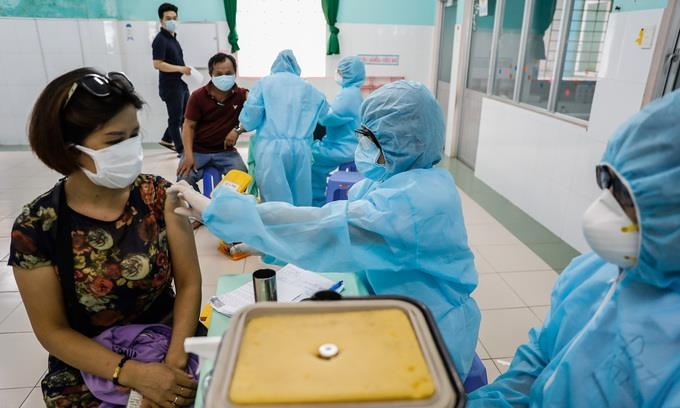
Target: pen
337, 287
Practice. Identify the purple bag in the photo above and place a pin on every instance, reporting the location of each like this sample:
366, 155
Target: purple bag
142, 342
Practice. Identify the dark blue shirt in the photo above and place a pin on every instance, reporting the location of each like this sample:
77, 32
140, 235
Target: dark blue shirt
166, 48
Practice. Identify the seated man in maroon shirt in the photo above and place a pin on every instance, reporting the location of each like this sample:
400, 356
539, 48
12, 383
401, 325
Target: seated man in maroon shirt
211, 115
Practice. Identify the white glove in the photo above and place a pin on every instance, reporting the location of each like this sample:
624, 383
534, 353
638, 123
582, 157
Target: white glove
195, 202
241, 248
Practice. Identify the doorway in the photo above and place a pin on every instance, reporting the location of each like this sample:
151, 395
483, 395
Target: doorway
445, 60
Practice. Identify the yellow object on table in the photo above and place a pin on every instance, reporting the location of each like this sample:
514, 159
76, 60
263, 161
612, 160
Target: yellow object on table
378, 359
237, 180
206, 315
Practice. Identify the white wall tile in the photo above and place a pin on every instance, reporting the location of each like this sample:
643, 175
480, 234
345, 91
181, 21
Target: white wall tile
23, 97
99, 36
408, 41
7, 38
23, 68
627, 61
18, 35
58, 63
59, 35
615, 101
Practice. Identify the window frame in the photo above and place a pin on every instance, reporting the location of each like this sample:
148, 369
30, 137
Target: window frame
558, 69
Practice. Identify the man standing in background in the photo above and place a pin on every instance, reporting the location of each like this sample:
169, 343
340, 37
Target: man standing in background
169, 61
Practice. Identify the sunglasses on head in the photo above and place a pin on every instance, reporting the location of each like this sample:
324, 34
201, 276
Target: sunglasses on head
606, 178
364, 131
101, 86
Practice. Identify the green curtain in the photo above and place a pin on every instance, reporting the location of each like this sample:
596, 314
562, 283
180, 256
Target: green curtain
330, 11
230, 11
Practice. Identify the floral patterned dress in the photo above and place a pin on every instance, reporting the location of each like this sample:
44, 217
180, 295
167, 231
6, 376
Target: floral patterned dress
122, 270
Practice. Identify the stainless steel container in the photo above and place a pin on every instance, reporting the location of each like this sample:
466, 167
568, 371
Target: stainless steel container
264, 285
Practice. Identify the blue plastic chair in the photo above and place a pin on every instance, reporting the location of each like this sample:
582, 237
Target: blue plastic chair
476, 377
349, 166
211, 177
338, 184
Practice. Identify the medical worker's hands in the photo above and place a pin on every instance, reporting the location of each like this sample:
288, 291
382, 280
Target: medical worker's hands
197, 202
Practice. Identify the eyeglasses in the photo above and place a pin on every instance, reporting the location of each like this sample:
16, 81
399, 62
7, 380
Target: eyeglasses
364, 131
606, 178
101, 86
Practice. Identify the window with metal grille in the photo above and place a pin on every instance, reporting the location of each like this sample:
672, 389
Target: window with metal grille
583, 51
561, 47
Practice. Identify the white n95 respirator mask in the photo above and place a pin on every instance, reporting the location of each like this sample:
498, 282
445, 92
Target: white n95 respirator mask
610, 232
116, 166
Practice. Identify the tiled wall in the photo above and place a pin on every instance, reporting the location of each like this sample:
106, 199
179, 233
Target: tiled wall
545, 165
412, 43
35, 51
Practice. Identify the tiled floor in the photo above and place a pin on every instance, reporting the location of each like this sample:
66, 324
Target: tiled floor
513, 291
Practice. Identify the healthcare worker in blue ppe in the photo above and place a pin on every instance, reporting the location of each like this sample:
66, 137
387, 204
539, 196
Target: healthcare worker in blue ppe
283, 109
612, 335
339, 144
401, 229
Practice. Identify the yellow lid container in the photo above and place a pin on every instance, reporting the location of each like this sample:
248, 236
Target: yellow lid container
352, 353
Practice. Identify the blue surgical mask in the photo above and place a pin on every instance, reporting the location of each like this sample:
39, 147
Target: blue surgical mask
366, 159
224, 82
171, 25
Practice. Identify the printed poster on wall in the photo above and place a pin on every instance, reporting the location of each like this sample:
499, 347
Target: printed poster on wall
379, 59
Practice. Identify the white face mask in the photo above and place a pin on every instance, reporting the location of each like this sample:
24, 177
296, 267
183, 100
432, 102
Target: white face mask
610, 232
338, 78
116, 166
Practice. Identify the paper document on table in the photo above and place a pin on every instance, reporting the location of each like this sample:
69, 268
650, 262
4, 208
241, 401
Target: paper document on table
292, 285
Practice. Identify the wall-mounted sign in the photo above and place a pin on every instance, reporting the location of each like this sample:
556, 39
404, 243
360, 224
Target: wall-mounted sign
483, 8
380, 59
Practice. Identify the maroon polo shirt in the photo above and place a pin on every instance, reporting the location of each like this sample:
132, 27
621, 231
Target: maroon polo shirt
214, 119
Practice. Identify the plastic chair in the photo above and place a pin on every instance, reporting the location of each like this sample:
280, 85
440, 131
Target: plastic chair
349, 166
338, 184
476, 377
211, 177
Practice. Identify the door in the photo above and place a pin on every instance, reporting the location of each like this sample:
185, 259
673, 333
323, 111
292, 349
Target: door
480, 47
664, 75
672, 80
448, 27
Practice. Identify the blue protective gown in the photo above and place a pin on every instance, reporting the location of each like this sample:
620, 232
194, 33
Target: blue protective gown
338, 146
405, 234
612, 338
283, 109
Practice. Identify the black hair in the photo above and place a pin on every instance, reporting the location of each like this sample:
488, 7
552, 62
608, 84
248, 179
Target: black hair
165, 7
220, 57
55, 125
